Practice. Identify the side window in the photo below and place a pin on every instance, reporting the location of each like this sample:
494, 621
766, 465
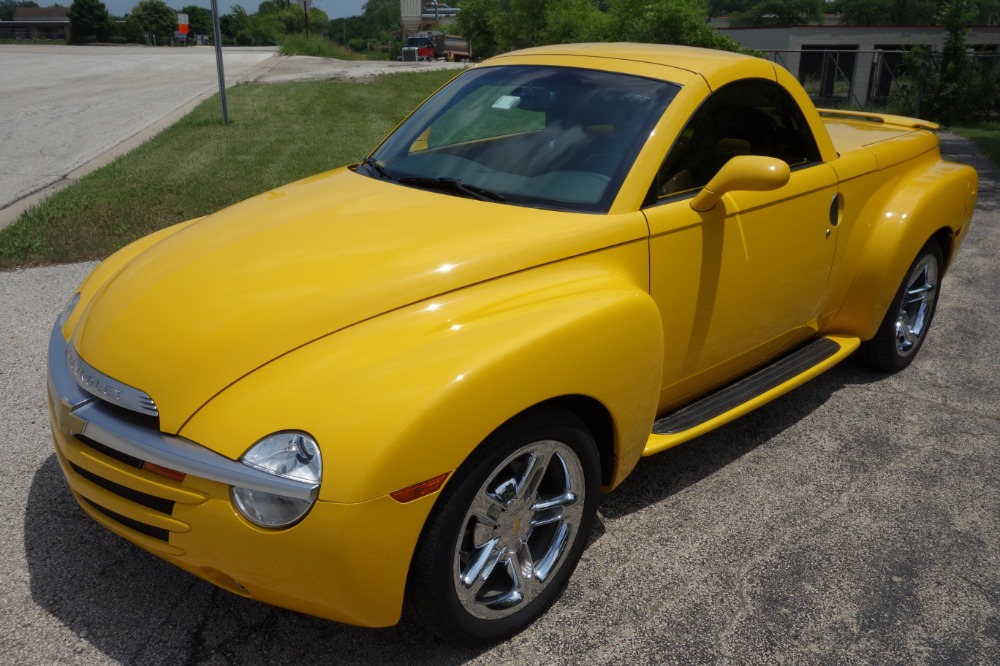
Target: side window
752, 117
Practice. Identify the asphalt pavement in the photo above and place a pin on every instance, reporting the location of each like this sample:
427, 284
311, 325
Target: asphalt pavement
853, 521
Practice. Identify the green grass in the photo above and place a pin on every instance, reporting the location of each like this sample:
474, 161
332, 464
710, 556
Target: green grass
317, 46
986, 136
35, 42
276, 134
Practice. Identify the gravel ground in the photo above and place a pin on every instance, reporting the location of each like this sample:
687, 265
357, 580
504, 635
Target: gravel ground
308, 68
856, 520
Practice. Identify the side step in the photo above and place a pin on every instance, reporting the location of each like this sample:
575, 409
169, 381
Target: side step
750, 392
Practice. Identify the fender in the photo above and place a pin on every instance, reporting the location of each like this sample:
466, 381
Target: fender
922, 205
450, 370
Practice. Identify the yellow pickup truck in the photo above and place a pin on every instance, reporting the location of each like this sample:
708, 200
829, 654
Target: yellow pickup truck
405, 383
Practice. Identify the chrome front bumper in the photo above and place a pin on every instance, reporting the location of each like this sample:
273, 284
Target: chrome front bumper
77, 412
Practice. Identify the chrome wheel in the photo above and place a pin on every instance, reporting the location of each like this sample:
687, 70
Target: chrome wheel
904, 328
516, 532
917, 304
508, 529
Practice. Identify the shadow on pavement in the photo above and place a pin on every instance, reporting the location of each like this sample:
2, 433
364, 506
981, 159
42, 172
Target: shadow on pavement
665, 474
138, 609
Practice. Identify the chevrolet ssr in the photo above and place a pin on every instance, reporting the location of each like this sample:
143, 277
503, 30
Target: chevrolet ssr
403, 384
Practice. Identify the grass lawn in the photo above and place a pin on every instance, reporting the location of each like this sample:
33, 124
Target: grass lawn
276, 134
317, 46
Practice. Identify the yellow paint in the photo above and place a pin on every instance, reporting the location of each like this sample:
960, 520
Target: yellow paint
401, 327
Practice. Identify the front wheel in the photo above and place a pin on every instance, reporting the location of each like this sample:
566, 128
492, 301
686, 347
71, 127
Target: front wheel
905, 326
507, 531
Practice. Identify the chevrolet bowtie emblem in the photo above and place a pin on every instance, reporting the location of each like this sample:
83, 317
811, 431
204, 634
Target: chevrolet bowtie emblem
69, 423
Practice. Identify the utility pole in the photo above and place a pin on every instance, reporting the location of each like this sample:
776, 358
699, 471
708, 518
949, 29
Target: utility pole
305, 10
218, 60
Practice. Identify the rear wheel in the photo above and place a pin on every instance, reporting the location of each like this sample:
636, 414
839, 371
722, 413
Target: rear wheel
507, 531
905, 326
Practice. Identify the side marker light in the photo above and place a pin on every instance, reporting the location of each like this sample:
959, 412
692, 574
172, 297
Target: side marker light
164, 471
418, 490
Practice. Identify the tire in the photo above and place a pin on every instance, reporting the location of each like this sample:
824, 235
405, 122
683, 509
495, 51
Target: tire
905, 326
507, 531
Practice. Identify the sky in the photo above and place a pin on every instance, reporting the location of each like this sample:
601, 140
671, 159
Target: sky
333, 8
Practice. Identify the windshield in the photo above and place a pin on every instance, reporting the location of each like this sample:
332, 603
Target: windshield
550, 137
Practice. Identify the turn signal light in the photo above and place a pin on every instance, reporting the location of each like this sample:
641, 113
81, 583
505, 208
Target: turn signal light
164, 471
419, 490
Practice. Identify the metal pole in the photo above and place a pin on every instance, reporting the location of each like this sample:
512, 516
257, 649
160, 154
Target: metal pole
218, 61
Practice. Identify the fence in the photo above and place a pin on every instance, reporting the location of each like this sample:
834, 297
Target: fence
880, 79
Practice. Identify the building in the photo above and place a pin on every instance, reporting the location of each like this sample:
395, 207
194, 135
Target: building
37, 23
853, 65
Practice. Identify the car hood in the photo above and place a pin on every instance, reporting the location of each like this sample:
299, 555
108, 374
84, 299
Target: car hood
204, 307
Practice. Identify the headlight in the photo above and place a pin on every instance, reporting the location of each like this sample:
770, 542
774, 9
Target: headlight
293, 455
68, 310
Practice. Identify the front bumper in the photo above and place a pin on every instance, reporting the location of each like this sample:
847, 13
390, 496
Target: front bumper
345, 562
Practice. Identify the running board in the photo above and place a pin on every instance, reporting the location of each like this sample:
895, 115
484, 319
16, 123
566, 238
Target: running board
750, 392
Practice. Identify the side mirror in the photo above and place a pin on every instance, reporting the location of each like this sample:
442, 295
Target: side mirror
745, 172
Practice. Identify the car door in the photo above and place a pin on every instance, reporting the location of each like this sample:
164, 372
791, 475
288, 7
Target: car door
745, 281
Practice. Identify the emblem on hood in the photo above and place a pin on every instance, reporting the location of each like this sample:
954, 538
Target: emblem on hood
99, 384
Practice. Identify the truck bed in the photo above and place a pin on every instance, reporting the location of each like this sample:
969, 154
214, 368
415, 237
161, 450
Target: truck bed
889, 139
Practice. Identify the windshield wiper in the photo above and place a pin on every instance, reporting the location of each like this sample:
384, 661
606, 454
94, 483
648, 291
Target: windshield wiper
453, 185
376, 168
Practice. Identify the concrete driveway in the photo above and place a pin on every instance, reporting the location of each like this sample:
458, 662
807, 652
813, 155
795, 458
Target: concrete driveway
65, 106
856, 520
68, 110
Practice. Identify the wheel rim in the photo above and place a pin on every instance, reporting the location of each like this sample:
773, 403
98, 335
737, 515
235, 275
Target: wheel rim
917, 305
517, 532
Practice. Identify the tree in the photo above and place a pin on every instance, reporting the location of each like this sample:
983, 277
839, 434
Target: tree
89, 21
886, 12
158, 21
987, 12
481, 22
956, 96
960, 88
495, 26
575, 21
290, 16
7, 8
237, 23
134, 32
863, 12
666, 22
759, 13
319, 21
381, 14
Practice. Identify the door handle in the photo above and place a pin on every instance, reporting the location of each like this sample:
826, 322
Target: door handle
835, 207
